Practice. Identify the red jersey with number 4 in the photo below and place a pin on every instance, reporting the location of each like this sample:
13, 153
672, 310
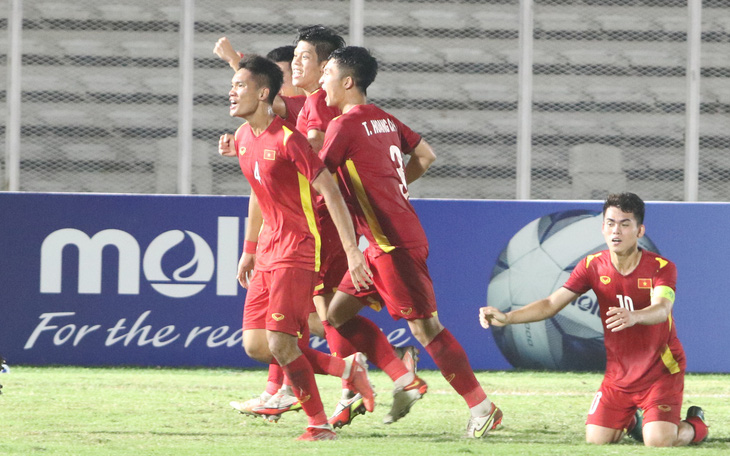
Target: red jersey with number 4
280, 166
636, 356
364, 147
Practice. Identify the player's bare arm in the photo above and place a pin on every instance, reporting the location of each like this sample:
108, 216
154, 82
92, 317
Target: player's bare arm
535, 311
224, 49
316, 140
421, 159
326, 186
227, 145
248, 259
619, 318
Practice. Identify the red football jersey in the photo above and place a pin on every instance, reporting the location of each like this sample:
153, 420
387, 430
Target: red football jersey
280, 166
294, 106
637, 356
315, 114
364, 147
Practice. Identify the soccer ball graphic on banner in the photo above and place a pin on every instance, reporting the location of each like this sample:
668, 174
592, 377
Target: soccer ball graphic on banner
536, 262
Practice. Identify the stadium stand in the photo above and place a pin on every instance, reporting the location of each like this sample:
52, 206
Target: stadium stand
607, 72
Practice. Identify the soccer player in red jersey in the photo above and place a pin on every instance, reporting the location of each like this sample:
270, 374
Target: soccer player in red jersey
281, 270
364, 146
645, 362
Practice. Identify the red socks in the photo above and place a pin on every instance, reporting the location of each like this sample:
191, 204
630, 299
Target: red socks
339, 346
305, 389
700, 428
367, 338
454, 365
276, 378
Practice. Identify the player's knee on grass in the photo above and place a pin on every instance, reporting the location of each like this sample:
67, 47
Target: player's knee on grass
660, 434
599, 435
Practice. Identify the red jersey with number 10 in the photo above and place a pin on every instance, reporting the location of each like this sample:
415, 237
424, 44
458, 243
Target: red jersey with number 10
364, 147
637, 356
280, 166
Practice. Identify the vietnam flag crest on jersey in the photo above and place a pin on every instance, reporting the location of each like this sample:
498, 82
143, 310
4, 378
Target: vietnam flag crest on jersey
645, 284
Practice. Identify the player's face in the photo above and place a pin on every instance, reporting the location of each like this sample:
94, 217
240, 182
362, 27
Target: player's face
331, 83
306, 67
621, 231
287, 88
244, 96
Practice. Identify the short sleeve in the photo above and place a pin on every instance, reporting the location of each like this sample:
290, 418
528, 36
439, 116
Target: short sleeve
301, 154
579, 280
409, 138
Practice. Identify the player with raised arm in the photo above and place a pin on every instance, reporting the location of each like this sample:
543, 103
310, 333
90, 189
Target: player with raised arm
281, 257
645, 361
364, 146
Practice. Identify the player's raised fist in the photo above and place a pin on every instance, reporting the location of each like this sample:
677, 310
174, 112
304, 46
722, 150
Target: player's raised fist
227, 146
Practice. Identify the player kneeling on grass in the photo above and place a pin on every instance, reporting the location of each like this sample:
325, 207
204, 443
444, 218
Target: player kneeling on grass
645, 361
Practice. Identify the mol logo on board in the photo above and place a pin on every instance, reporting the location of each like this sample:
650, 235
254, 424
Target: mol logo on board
187, 279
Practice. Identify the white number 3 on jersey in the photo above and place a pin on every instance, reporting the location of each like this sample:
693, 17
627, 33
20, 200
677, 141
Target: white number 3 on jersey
397, 158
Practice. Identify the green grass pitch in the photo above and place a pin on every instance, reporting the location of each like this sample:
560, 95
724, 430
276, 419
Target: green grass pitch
147, 411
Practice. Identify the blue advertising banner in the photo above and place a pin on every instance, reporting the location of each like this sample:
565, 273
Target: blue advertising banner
92, 279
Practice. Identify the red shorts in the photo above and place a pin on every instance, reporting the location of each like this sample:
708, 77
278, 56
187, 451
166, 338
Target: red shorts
401, 278
334, 261
662, 401
279, 300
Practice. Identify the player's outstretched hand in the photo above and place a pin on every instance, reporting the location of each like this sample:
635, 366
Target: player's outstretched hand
619, 319
362, 276
224, 49
227, 146
491, 316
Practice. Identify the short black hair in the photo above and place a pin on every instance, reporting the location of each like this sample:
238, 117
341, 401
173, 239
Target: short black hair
359, 63
265, 72
324, 39
627, 202
281, 54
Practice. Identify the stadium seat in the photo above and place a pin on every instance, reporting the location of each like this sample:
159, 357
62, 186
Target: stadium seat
166, 166
582, 57
88, 151
254, 14
440, 18
309, 16
652, 58
149, 49
673, 24
65, 116
124, 12
491, 92
168, 85
468, 55
104, 83
556, 22
87, 47
381, 16
715, 59
618, 93
596, 170
489, 19
651, 125
557, 93
624, 23
400, 53
59, 10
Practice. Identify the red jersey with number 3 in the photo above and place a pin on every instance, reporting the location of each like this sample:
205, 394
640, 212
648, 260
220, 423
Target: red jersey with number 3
280, 166
364, 147
637, 356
